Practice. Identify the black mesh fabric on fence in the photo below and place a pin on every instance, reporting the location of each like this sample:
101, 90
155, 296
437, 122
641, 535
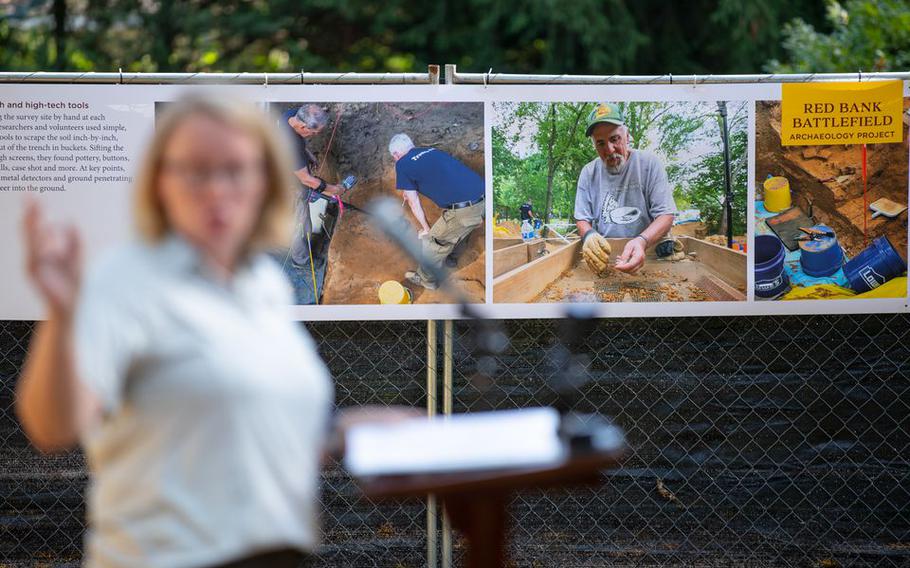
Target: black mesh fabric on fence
764, 441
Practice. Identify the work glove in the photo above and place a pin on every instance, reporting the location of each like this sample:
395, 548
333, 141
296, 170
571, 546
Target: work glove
595, 250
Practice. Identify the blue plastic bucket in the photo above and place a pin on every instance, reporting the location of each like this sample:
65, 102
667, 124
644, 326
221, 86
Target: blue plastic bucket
770, 279
874, 266
821, 257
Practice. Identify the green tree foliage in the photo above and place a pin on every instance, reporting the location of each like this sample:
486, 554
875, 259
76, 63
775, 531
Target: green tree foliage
663, 128
557, 134
538, 36
556, 126
868, 35
540, 148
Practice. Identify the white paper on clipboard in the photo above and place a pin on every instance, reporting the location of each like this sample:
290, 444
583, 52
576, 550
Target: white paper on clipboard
463, 442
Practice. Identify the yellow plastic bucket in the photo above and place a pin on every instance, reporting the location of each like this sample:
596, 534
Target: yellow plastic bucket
777, 194
392, 292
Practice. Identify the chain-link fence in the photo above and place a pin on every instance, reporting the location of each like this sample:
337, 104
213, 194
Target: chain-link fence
766, 441
756, 442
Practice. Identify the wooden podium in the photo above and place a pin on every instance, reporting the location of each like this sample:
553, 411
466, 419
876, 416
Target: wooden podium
477, 501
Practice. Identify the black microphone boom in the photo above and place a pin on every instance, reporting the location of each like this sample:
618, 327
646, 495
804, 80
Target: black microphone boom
387, 214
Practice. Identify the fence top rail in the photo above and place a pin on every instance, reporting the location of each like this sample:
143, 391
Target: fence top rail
452, 76
490, 78
303, 78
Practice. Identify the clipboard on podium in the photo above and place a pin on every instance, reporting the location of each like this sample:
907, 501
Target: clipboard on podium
475, 462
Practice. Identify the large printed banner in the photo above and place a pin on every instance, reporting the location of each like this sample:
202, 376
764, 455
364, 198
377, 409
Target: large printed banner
498, 183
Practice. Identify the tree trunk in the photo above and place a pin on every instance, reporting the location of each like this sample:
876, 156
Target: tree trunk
165, 34
60, 34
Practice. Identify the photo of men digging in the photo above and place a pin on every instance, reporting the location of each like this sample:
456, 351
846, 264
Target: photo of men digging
452, 186
308, 247
344, 158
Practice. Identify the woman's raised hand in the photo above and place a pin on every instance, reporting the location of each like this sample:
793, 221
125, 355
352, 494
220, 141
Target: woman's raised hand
53, 260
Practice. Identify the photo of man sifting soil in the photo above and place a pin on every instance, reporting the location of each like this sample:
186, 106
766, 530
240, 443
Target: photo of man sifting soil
631, 201
831, 221
347, 154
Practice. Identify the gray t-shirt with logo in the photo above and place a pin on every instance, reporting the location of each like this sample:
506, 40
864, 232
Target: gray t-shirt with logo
624, 204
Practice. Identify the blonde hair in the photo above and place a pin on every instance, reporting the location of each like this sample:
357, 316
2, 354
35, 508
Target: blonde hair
272, 228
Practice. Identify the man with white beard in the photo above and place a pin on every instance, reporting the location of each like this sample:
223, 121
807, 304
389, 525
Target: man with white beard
623, 193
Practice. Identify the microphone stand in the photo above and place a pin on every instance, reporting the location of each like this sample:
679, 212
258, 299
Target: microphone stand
581, 432
476, 502
489, 341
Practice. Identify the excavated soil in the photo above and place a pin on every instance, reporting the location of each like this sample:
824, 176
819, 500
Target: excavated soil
360, 257
828, 180
685, 280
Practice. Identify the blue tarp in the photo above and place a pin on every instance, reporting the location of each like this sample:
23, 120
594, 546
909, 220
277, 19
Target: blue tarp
791, 261
687, 216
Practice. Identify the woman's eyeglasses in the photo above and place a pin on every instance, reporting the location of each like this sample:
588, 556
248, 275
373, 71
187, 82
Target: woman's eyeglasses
237, 177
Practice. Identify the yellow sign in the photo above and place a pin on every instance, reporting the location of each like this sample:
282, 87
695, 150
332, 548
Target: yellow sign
815, 114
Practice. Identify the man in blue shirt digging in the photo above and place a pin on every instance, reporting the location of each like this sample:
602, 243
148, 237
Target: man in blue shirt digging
448, 183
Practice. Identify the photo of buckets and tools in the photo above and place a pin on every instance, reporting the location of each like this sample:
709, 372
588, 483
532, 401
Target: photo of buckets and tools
819, 255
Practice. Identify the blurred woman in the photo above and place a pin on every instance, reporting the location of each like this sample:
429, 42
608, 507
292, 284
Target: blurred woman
201, 407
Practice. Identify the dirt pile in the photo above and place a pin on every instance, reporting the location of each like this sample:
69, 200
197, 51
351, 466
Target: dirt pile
721, 240
360, 257
828, 180
696, 229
